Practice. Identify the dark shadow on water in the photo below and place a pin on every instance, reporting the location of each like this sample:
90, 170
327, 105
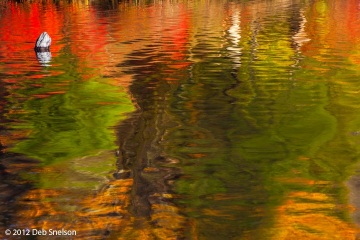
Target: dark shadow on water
140, 158
141, 155
12, 185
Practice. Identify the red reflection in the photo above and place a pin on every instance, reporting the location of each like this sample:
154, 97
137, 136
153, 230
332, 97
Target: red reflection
333, 25
20, 26
179, 35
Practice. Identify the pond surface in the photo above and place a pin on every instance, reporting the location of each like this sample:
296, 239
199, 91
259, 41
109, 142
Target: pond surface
181, 119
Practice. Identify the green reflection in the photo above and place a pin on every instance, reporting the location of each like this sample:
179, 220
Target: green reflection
70, 125
75, 123
257, 137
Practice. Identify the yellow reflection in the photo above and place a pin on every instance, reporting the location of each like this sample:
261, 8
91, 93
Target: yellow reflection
91, 214
304, 216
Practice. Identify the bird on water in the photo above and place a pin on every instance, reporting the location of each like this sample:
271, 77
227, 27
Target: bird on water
42, 49
43, 42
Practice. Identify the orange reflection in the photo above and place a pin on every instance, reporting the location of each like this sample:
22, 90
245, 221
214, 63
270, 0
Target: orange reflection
91, 217
333, 26
304, 216
96, 215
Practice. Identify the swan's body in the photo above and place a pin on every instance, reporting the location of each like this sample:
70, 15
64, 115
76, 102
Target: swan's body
43, 42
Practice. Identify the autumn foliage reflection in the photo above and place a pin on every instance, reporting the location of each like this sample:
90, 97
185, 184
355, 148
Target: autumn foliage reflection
221, 100
83, 49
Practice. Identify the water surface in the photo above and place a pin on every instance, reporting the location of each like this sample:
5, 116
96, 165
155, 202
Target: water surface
181, 119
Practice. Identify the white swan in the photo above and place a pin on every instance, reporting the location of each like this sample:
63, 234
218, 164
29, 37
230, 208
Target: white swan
43, 42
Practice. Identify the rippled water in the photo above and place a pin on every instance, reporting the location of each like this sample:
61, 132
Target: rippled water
181, 119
